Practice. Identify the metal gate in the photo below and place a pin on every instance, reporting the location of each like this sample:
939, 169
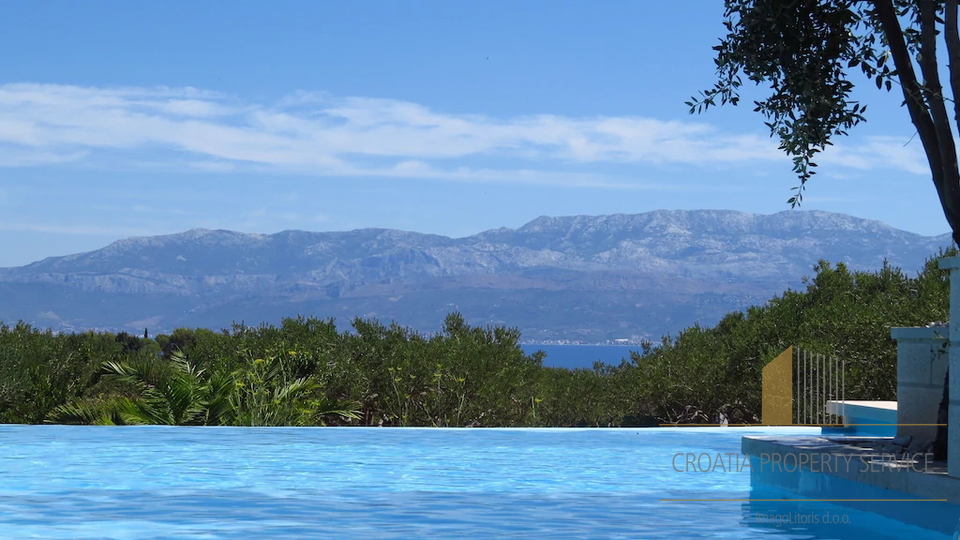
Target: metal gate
797, 385
819, 379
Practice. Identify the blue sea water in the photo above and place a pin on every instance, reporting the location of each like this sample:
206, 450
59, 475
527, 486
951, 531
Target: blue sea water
211, 483
581, 356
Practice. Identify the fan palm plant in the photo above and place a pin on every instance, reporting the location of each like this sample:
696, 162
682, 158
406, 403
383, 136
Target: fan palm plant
268, 394
169, 392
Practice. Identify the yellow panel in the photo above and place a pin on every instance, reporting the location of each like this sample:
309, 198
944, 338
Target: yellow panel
778, 390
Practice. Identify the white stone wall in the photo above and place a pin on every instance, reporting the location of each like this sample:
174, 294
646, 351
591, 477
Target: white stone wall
953, 429
921, 366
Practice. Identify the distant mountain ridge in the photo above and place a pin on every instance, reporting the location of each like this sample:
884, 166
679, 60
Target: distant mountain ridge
583, 278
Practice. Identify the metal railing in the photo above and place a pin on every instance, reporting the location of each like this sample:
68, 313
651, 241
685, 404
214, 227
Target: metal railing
817, 379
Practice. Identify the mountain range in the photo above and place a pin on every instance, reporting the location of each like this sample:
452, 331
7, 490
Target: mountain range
580, 278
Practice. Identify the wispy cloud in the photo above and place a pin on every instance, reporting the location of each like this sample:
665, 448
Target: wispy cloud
82, 230
879, 153
313, 133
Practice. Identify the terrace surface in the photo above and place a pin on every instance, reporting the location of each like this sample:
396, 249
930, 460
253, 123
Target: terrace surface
855, 459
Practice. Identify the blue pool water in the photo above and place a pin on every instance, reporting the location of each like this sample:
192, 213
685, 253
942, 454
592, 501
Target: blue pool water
174, 482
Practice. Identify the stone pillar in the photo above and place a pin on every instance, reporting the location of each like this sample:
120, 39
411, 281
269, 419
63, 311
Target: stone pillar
953, 427
921, 365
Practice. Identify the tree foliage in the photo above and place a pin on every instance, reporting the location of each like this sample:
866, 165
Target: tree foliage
807, 50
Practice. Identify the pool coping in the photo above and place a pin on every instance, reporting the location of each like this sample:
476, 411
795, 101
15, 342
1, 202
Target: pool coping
858, 464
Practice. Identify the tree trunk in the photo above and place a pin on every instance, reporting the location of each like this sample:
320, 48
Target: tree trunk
928, 113
940, 443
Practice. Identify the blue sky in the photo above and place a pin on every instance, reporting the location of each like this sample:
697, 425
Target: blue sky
134, 118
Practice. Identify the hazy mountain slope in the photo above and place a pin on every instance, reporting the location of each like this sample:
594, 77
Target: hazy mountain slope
586, 278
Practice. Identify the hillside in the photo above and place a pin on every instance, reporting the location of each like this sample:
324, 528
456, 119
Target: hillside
583, 278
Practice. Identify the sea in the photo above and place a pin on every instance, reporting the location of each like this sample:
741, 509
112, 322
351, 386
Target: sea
580, 356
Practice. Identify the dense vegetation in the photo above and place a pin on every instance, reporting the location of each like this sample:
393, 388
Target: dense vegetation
306, 372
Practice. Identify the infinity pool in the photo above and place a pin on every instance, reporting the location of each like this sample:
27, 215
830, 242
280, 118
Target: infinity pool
160, 482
